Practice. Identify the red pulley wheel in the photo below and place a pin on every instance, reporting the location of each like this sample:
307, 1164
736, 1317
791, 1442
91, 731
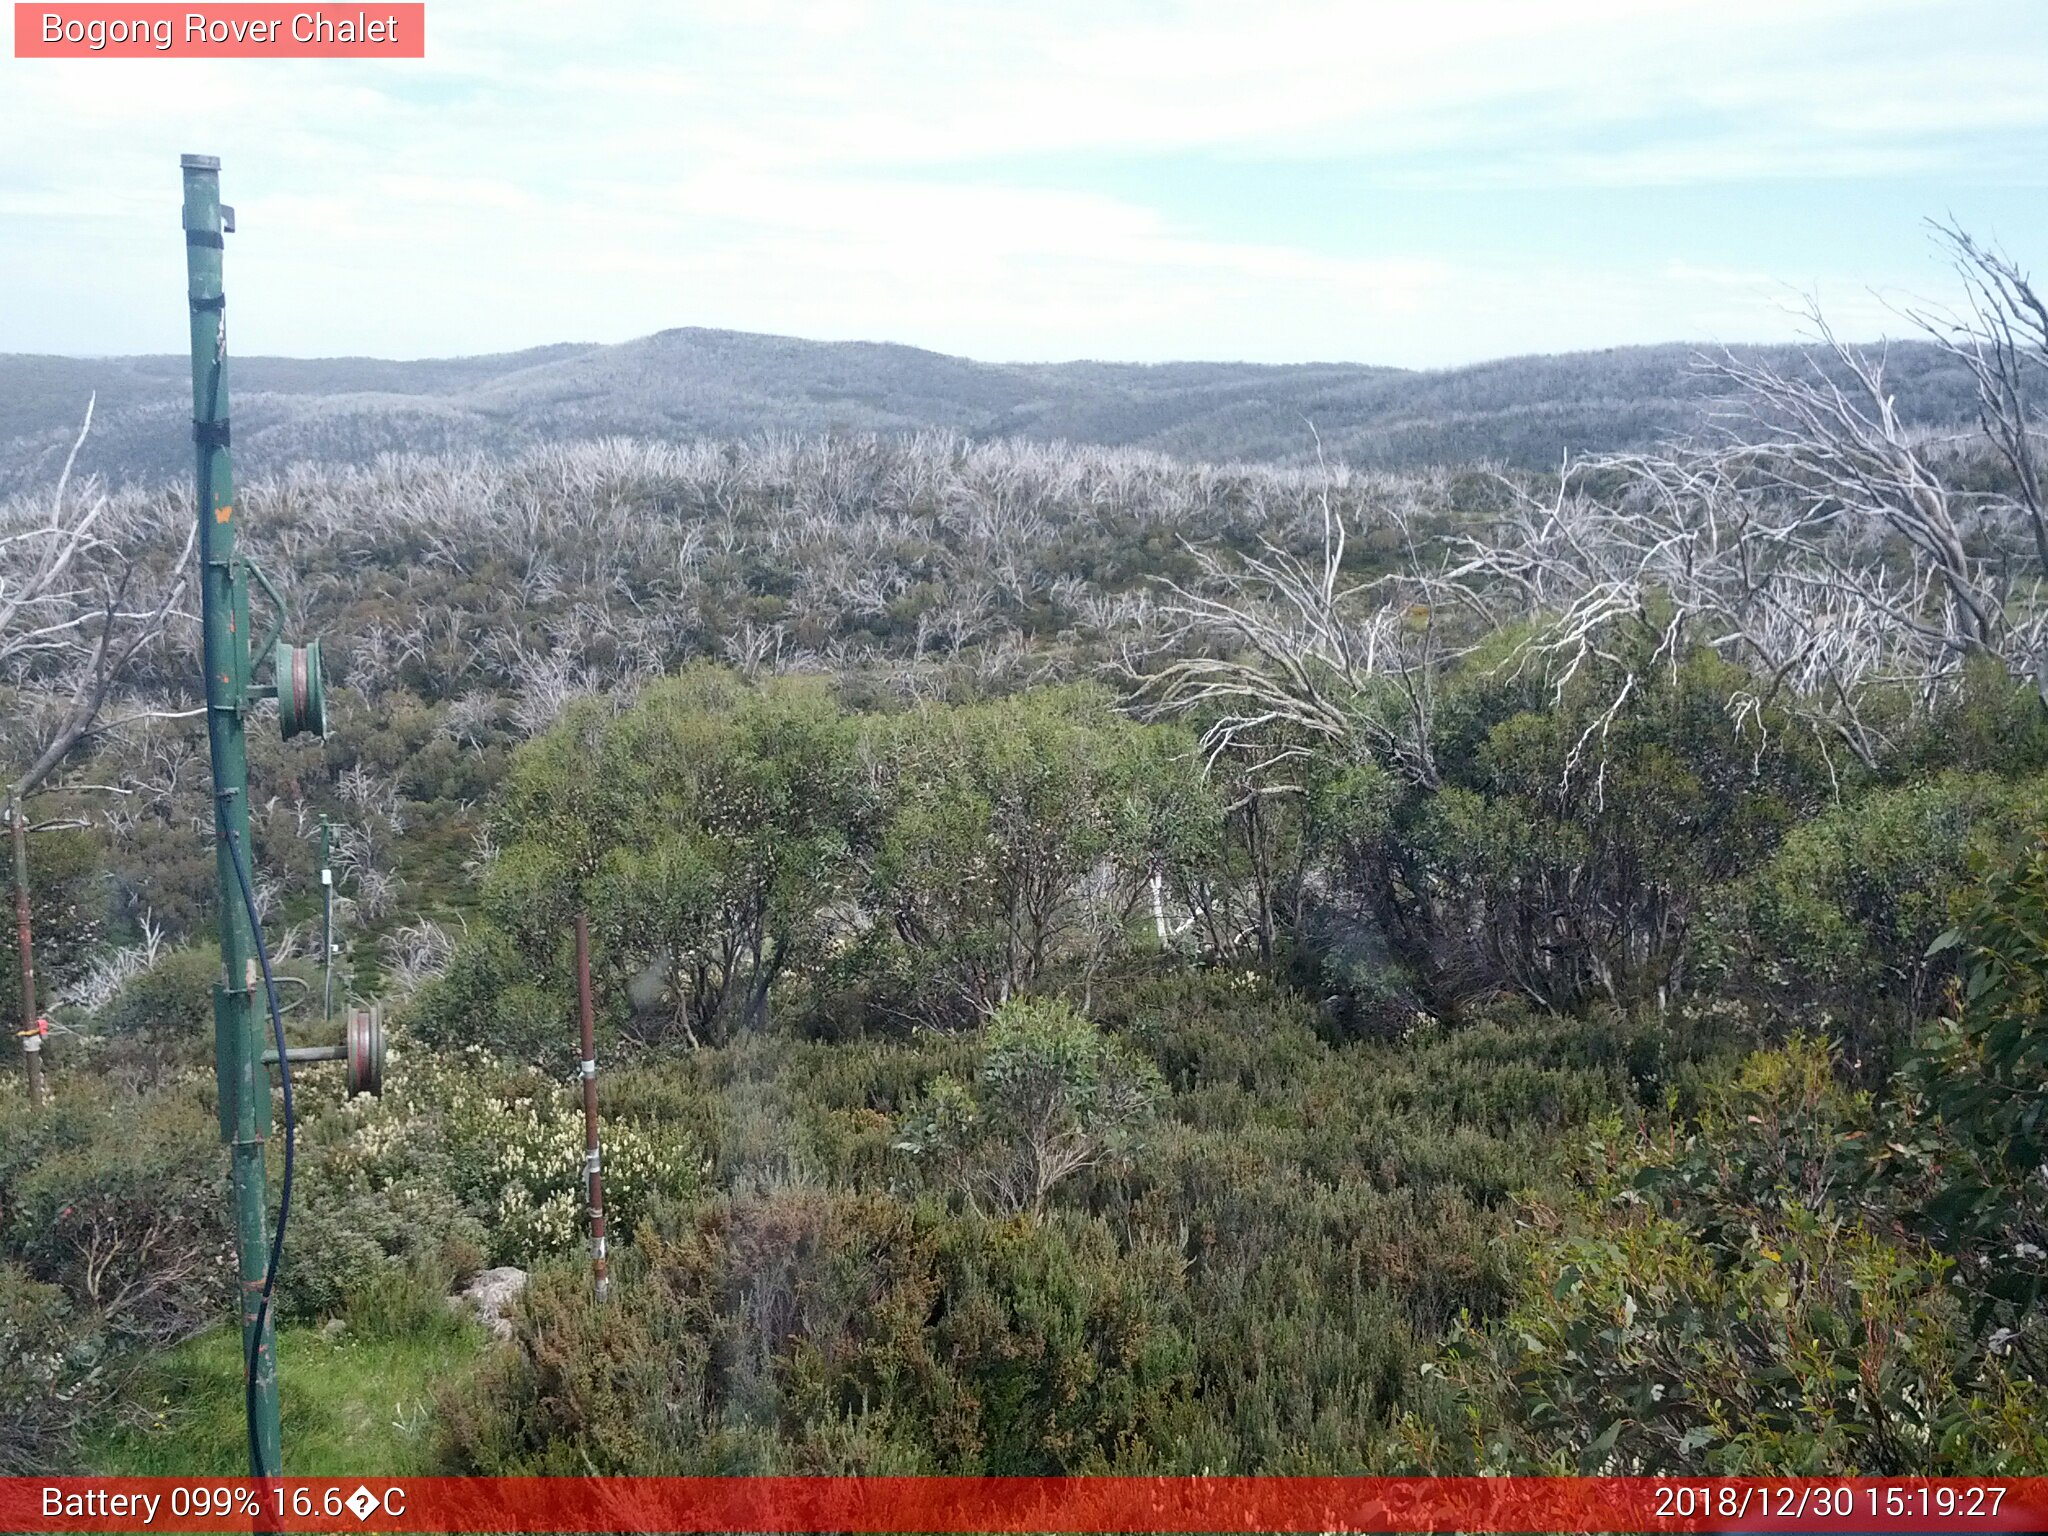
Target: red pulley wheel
365, 1042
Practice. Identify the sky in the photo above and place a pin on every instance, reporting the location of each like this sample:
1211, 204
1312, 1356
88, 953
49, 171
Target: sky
1421, 183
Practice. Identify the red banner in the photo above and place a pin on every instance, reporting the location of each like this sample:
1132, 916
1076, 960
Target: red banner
1021, 1504
212, 31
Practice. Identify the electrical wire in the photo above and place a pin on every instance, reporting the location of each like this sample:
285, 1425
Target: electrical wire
291, 1127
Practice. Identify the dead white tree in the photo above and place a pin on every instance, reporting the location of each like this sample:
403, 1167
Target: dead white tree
111, 972
1276, 646
80, 599
2001, 338
1669, 551
416, 952
1818, 537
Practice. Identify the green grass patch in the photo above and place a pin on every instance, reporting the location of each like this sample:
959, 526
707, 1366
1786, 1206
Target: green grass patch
351, 1407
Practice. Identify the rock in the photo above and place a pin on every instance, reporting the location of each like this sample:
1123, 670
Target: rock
491, 1296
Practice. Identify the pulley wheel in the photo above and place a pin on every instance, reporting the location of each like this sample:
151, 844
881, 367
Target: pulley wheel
365, 1043
301, 695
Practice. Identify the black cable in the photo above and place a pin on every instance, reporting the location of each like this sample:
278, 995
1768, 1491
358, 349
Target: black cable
291, 1126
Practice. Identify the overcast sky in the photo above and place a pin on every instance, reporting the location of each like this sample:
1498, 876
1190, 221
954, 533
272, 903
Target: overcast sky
1419, 182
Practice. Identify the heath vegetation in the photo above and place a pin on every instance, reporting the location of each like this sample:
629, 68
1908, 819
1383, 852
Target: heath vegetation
1103, 961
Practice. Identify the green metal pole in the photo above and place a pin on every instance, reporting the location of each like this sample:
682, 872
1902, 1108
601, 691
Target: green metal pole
224, 610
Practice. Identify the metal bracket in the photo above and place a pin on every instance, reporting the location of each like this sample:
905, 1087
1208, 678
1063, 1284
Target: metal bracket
231, 1008
269, 641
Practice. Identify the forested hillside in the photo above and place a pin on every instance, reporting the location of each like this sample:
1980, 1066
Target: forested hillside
1104, 960
699, 384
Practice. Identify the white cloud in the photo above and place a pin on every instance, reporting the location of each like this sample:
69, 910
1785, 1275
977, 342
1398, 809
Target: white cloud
851, 168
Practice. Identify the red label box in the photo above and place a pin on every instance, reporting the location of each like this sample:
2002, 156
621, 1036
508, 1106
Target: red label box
372, 30
1015, 1506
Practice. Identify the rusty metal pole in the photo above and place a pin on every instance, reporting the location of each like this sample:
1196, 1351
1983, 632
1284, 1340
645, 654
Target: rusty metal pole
31, 1035
593, 1163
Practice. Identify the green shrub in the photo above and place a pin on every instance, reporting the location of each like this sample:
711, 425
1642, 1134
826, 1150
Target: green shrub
616, 1389
461, 1163
1052, 1097
492, 997
1205, 1028
732, 1328
1968, 1143
113, 1242
517, 1147
1021, 840
53, 1373
172, 999
808, 1330
1066, 1352
67, 907
1843, 914
376, 1192
408, 1303
1717, 1302
1567, 856
121, 1204
349, 1239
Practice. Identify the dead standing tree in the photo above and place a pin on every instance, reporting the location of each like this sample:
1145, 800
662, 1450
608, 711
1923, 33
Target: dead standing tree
83, 592
1821, 540
1278, 646
2002, 339
1697, 548
1288, 661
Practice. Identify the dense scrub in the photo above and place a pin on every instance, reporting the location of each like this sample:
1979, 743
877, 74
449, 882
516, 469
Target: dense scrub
1004, 1072
1249, 1276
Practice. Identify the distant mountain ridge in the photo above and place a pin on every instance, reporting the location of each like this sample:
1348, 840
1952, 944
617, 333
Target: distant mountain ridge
691, 383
